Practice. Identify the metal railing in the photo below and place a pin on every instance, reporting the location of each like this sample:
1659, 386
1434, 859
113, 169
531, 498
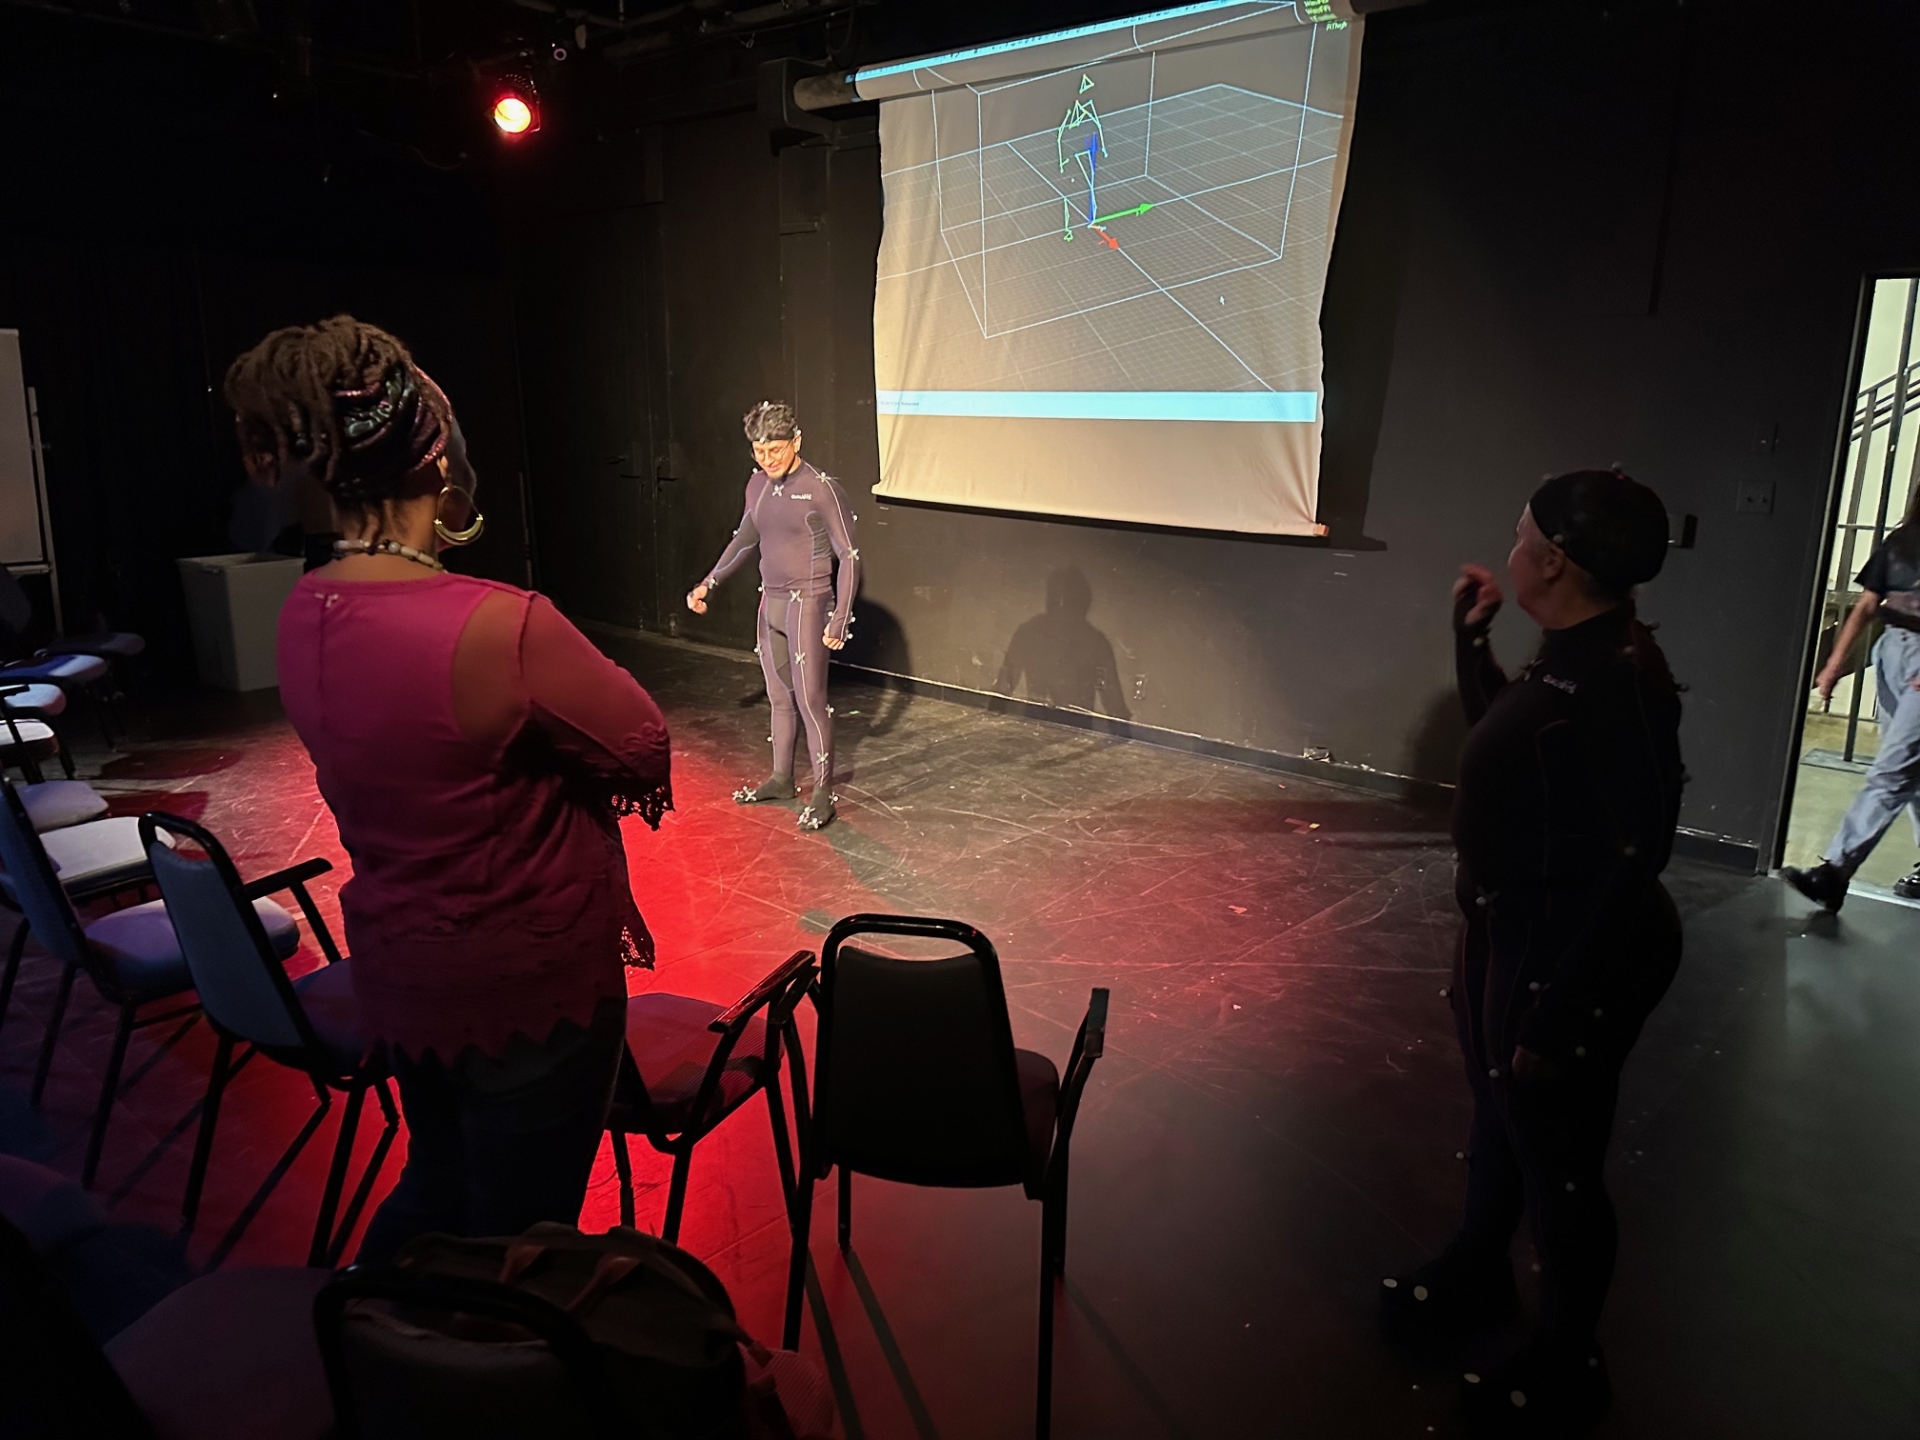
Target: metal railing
1883, 405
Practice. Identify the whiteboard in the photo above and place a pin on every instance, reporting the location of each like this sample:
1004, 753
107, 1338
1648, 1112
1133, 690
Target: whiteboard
20, 542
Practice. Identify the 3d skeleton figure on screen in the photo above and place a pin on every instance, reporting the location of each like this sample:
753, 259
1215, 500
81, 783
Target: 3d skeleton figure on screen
798, 517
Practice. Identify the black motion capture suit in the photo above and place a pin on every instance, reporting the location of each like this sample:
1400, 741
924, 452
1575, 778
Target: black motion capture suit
801, 524
1564, 817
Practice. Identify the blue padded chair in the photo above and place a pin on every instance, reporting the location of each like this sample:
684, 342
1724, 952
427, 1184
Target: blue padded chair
56, 804
310, 1024
92, 861
916, 1080
84, 662
131, 955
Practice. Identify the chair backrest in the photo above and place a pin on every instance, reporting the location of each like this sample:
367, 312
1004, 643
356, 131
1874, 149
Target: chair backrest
412, 1356
242, 986
914, 1070
37, 889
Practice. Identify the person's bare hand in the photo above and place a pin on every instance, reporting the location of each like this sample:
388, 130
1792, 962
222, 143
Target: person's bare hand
697, 599
1829, 677
1529, 1066
1476, 597
834, 642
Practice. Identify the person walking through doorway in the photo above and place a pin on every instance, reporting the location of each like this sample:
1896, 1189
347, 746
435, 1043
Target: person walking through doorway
1890, 592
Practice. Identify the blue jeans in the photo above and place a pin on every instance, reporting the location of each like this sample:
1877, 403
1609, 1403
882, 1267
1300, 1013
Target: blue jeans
1893, 780
498, 1143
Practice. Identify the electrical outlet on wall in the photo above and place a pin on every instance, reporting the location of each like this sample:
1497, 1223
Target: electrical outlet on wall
1754, 497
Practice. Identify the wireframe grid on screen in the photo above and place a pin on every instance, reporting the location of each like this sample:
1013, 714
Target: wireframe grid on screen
1099, 283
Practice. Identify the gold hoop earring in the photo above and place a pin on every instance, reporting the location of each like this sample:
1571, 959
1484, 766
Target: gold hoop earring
458, 537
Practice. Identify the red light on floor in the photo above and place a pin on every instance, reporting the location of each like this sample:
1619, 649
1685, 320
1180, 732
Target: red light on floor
513, 115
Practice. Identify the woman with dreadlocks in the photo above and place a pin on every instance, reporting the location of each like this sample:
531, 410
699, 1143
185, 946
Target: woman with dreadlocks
476, 751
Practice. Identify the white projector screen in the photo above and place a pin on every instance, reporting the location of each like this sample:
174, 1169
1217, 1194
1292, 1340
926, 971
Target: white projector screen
1100, 278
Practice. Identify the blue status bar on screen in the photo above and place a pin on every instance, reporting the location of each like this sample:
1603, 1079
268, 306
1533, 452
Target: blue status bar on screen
1263, 406
980, 52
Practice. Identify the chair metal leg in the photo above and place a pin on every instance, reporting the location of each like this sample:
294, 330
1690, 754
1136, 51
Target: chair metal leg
1043, 1404
64, 755
623, 1167
14, 952
802, 1222
109, 1088
209, 1117
776, 1112
846, 1207
54, 1017
677, 1195
1053, 1223
322, 1253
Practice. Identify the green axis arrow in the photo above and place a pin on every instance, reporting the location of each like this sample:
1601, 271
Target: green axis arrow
1121, 214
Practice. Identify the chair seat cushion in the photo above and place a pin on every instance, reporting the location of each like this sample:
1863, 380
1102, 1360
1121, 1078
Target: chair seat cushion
26, 735
140, 945
119, 644
66, 669
667, 1036
98, 856
1040, 1100
327, 996
56, 804
36, 700
232, 1354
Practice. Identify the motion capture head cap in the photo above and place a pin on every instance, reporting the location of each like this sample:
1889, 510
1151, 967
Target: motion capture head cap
770, 420
1607, 523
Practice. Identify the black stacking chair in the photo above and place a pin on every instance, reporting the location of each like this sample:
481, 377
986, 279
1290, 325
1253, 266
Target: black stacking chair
916, 1080
131, 955
691, 1063
310, 1024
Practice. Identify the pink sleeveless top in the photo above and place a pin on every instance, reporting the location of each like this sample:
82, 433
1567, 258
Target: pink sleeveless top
489, 891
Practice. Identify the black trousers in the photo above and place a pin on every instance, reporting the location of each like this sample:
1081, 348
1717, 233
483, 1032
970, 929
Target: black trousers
1538, 1147
498, 1143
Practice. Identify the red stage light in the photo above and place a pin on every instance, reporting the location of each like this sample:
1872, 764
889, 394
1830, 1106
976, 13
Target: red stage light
513, 115
516, 106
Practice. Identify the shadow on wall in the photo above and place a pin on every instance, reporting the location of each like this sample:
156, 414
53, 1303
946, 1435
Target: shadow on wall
1062, 658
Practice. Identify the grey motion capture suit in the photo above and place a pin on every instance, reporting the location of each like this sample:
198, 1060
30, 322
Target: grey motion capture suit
801, 524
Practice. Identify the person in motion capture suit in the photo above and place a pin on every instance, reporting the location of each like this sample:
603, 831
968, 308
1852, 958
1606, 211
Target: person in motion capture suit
1890, 592
1564, 816
798, 517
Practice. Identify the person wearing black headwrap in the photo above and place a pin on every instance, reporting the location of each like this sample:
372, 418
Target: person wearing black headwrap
1564, 816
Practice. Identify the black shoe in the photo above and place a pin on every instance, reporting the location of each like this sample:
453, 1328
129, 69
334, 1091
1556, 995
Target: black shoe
1907, 887
1824, 884
818, 814
1541, 1389
774, 787
1457, 1288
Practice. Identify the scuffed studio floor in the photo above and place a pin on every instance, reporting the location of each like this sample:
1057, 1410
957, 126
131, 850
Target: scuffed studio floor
1273, 1127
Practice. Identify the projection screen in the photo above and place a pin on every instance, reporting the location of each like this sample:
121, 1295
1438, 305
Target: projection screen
1099, 282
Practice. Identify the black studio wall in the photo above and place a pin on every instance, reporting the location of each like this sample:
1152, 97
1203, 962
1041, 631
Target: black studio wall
1574, 234
164, 210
